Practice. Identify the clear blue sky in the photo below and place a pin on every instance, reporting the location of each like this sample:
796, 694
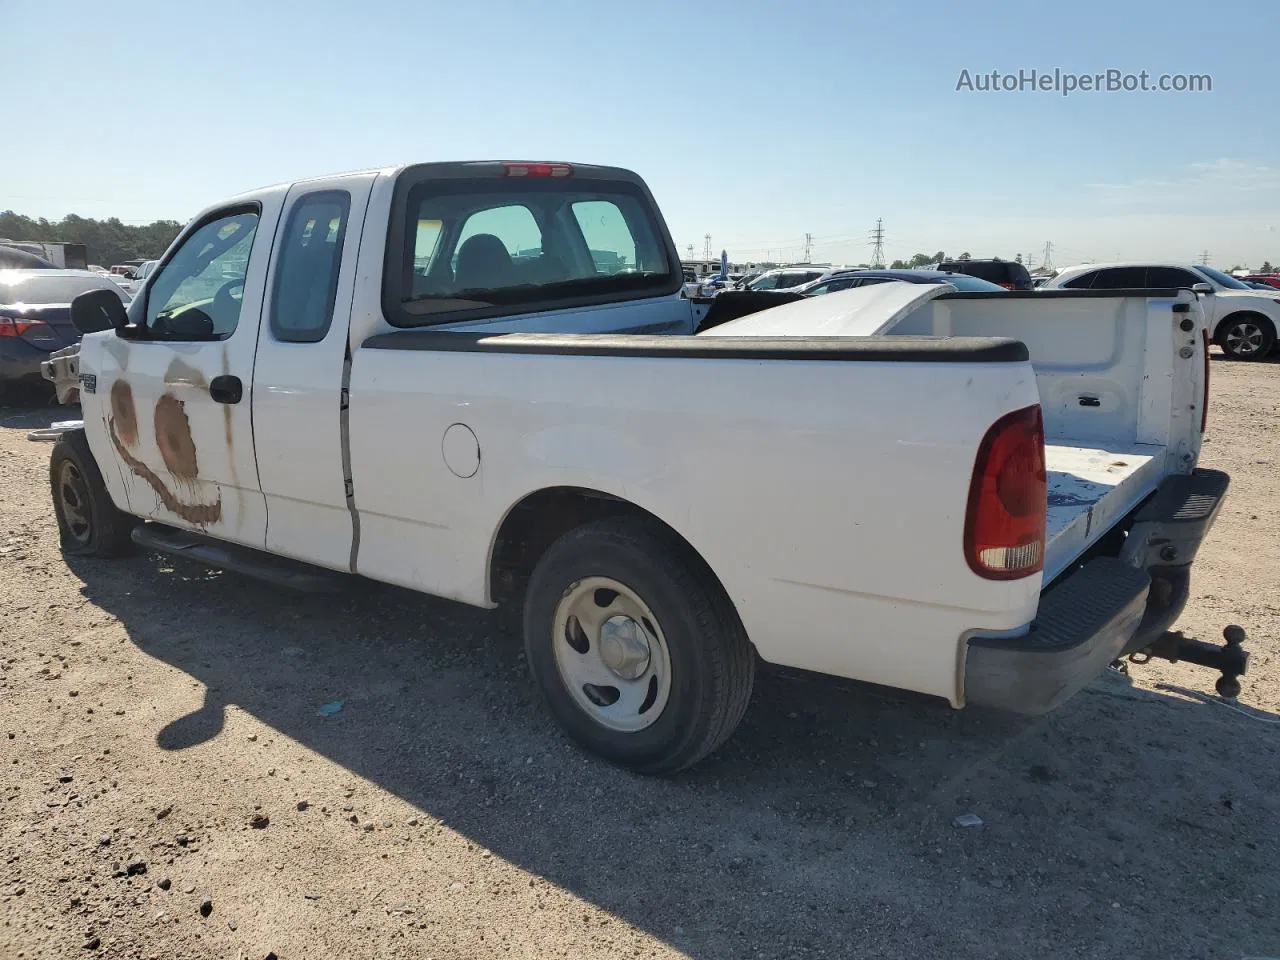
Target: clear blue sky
754, 122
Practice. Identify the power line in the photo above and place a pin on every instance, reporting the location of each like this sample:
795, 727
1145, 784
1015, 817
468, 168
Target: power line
1204, 259
1048, 255
877, 241
808, 248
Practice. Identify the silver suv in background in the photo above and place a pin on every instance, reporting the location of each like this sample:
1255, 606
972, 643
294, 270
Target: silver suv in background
788, 278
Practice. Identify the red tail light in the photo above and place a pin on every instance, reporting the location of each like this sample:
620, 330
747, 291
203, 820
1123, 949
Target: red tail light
13, 327
1004, 527
1204, 404
1007, 286
537, 169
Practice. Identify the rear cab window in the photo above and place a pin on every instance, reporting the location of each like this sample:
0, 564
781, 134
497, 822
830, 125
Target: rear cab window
483, 246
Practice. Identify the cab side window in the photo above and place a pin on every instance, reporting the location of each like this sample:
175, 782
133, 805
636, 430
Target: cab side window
306, 279
1170, 278
197, 295
1082, 282
1120, 278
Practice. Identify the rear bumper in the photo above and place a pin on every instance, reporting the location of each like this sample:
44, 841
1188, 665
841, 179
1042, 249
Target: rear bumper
1110, 607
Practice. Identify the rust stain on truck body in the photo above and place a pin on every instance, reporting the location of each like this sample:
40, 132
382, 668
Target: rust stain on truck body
123, 412
201, 514
183, 374
173, 437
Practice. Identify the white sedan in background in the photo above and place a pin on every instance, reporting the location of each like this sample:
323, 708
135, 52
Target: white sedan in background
1243, 320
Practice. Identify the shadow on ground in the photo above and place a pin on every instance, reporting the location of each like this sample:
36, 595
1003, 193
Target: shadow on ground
35, 415
1129, 823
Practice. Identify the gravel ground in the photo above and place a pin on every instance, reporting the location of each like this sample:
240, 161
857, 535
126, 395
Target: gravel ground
170, 788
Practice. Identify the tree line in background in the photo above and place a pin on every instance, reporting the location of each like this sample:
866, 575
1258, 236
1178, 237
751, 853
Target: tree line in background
108, 241
923, 260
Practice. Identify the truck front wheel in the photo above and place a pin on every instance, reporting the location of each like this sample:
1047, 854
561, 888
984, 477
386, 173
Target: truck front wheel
639, 654
89, 524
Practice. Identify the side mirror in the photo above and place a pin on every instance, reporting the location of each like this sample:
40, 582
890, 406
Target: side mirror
1201, 288
97, 310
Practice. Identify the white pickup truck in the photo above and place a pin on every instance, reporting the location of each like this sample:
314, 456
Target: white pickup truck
480, 381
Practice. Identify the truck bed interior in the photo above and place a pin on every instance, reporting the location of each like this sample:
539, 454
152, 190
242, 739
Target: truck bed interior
1117, 419
1104, 369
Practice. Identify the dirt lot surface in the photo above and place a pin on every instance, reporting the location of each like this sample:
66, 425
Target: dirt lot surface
151, 710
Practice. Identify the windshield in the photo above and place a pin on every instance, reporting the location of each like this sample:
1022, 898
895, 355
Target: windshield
52, 289
1228, 281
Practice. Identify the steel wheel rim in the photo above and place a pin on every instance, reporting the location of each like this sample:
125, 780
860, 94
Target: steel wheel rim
73, 493
1245, 338
611, 654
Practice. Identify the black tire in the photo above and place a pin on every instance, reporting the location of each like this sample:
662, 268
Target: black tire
712, 663
89, 525
1246, 336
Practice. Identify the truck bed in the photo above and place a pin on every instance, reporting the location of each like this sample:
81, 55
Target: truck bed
1090, 488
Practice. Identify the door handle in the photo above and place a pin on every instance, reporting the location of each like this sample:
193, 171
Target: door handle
226, 389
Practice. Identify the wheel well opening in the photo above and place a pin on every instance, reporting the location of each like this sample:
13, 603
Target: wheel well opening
1239, 315
543, 517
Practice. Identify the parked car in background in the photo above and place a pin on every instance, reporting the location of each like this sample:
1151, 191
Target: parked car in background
1267, 279
1241, 319
133, 281
788, 278
35, 319
63, 256
850, 279
1006, 273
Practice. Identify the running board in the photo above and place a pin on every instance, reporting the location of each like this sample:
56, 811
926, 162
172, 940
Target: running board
281, 571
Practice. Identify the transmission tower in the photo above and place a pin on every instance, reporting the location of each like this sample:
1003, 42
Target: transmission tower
808, 248
1204, 259
706, 247
1048, 255
877, 243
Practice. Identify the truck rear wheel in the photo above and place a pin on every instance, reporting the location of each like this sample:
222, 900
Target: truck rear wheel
89, 524
639, 654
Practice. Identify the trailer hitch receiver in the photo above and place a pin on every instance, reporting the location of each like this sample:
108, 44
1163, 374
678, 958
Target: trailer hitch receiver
1230, 658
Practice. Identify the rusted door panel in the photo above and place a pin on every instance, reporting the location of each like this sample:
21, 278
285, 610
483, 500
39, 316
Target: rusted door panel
187, 459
